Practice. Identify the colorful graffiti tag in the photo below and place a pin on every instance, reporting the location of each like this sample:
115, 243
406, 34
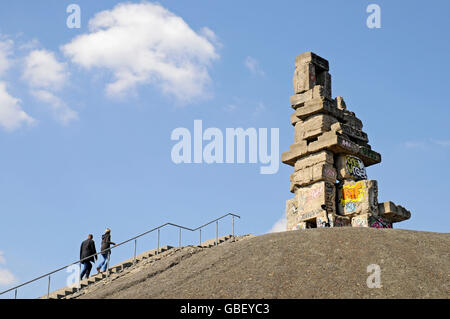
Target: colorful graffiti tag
379, 223
355, 167
352, 193
360, 221
350, 207
299, 226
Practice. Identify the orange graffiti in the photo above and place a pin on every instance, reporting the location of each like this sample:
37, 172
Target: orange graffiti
352, 193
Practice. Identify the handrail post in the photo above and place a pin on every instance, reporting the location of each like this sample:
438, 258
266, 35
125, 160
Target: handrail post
179, 239
48, 289
157, 250
200, 243
135, 244
78, 277
232, 227
107, 263
15, 294
217, 232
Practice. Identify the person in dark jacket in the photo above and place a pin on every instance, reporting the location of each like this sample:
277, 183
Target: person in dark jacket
106, 254
87, 249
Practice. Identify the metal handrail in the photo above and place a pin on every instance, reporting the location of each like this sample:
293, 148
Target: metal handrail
124, 242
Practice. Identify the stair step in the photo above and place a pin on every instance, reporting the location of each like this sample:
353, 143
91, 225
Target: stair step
64, 292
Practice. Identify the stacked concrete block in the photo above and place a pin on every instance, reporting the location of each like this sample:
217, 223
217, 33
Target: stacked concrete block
330, 155
356, 198
393, 213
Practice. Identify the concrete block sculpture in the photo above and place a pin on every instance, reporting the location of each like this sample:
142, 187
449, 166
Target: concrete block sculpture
330, 155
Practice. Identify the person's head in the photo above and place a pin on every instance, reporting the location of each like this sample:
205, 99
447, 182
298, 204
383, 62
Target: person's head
107, 231
90, 236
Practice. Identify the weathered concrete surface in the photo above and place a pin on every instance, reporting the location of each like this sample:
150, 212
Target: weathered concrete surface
313, 126
367, 220
350, 167
298, 100
311, 70
313, 174
314, 263
340, 221
358, 198
291, 212
393, 213
311, 198
311, 57
322, 157
332, 141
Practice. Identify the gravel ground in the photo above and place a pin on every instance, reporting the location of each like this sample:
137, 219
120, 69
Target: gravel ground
313, 263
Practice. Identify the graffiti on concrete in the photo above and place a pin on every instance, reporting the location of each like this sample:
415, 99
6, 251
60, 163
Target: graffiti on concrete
360, 221
307, 195
311, 214
341, 222
353, 193
322, 222
330, 173
379, 223
299, 226
350, 207
330, 198
355, 167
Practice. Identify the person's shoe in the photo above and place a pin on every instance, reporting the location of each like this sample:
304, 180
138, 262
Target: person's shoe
98, 270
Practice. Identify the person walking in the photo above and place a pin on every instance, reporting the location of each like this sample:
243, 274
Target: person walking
87, 249
105, 251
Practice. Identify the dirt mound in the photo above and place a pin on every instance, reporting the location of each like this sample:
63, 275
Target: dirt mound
314, 263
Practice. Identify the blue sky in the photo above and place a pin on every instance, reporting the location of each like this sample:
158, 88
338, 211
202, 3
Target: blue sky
86, 143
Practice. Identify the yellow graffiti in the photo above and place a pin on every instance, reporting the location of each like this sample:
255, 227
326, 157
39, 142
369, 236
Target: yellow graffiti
352, 193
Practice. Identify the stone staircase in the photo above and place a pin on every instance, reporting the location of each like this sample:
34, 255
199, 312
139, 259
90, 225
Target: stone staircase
123, 266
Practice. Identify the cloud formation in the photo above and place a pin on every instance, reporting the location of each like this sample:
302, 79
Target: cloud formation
279, 226
45, 76
6, 277
145, 43
42, 70
11, 114
426, 144
6, 47
253, 65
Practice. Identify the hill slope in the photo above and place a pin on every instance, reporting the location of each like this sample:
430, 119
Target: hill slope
314, 263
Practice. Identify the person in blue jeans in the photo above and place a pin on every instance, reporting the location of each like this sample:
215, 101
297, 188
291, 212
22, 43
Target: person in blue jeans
106, 254
88, 254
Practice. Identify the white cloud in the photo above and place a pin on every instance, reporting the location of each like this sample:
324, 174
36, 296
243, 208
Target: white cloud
30, 45
426, 145
61, 111
279, 226
211, 36
259, 109
6, 277
45, 75
11, 114
443, 143
253, 65
230, 107
6, 47
42, 70
145, 43
414, 144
